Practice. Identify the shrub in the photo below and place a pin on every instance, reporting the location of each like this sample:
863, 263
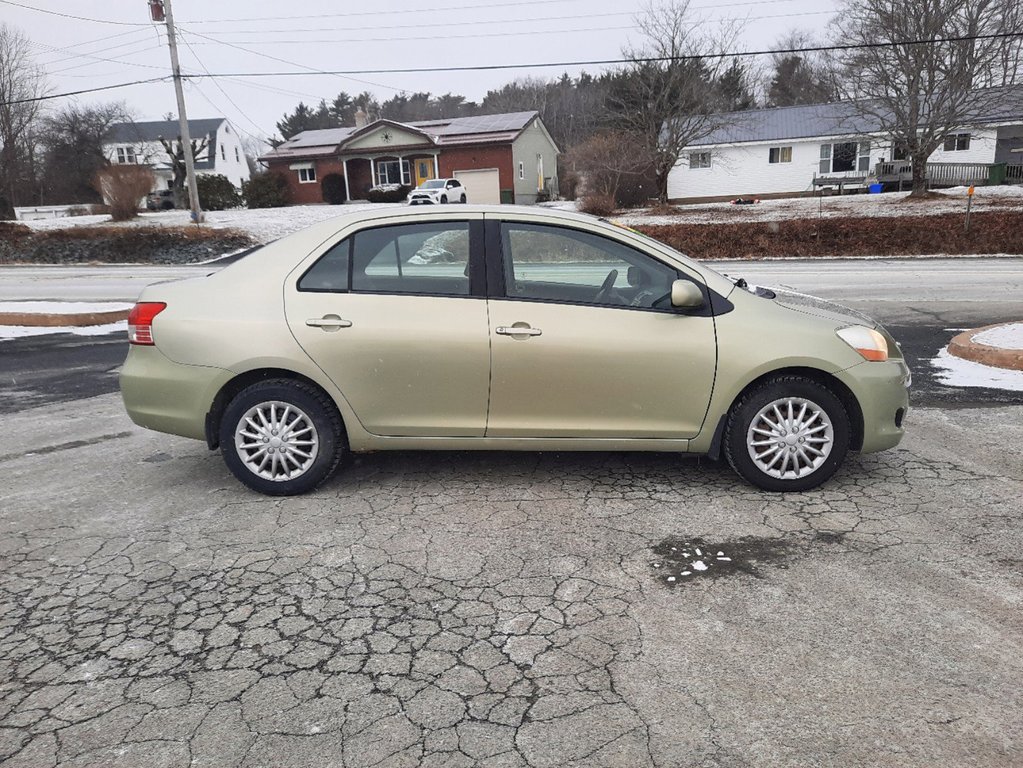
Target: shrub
613, 164
123, 187
597, 205
267, 190
333, 186
388, 193
216, 192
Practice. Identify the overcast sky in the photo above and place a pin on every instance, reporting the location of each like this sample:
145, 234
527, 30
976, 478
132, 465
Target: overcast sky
117, 43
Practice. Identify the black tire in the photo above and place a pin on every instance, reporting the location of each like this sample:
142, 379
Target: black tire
443, 199
830, 425
462, 201
319, 413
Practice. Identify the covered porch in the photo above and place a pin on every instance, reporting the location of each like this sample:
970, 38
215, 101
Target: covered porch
362, 172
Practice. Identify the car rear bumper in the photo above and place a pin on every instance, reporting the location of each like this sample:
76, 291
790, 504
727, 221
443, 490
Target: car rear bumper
170, 397
882, 391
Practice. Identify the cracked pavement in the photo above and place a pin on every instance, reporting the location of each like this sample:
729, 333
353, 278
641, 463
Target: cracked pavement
462, 609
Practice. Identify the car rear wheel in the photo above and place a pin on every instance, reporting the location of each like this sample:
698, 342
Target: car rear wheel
790, 433
281, 437
463, 200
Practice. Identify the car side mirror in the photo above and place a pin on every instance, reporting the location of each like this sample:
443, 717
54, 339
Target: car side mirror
686, 295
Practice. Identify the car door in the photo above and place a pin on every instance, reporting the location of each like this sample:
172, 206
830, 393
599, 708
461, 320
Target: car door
584, 340
396, 316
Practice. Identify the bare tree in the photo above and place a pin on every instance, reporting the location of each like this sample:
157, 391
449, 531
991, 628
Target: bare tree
175, 149
920, 93
668, 95
73, 149
21, 81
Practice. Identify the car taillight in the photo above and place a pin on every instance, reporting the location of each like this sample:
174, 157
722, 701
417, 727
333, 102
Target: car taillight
140, 321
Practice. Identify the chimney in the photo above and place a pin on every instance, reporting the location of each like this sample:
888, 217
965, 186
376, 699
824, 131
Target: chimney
361, 119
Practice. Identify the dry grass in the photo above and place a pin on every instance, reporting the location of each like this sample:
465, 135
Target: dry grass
990, 232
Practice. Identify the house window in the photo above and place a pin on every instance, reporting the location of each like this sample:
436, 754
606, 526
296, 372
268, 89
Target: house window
393, 172
957, 142
307, 175
522, 170
779, 155
223, 152
237, 159
845, 156
126, 156
699, 159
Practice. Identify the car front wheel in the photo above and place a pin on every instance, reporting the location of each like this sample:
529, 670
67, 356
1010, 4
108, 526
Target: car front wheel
443, 199
790, 433
281, 437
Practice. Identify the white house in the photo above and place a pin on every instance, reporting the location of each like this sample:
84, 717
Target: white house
790, 150
139, 143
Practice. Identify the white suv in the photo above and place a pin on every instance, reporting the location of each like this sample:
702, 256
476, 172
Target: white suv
438, 191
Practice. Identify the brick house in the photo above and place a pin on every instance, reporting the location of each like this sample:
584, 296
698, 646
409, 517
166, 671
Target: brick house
498, 158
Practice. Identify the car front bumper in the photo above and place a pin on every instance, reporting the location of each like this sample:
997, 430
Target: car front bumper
170, 397
882, 391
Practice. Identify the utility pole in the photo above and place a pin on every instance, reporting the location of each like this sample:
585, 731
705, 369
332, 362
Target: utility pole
161, 11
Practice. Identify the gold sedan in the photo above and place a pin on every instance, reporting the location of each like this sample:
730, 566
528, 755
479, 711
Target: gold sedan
503, 328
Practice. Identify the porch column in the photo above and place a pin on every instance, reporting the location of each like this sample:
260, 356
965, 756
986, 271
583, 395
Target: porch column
348, 191
436, 168
401, 170
372, 172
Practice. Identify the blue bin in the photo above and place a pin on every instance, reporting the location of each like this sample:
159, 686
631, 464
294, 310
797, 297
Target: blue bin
875, 189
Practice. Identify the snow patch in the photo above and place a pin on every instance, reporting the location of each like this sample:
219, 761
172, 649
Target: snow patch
956, 372
62, 307
8, 332
1004, 337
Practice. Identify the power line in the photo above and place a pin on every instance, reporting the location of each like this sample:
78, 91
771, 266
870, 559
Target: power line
72, 16
86, 90
637, 60
478, 35
435, 9
311, 70
539, 65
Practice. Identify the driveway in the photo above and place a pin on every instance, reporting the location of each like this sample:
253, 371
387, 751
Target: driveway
444, 609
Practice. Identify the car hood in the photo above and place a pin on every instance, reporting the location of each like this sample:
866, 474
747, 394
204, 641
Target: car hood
813, 305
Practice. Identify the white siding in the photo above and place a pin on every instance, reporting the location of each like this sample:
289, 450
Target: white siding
982, 149
235, 168
743, 169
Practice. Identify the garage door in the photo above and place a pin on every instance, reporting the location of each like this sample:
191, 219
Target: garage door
482, 186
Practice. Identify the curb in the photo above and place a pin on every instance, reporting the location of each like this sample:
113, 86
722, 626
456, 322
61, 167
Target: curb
965, 347
36, 320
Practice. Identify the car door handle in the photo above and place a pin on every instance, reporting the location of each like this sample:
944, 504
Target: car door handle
514, 330
330, 323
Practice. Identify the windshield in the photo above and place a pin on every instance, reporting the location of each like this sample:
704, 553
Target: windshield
433, 184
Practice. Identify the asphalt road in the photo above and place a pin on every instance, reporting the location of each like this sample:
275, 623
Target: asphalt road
459, 609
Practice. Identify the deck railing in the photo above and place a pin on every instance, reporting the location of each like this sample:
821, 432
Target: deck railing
950, 174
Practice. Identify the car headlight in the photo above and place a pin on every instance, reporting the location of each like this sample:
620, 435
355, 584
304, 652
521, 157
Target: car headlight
868, 342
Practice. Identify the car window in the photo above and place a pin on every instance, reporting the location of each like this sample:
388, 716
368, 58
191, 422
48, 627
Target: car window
430, 258
561, 264
330, 272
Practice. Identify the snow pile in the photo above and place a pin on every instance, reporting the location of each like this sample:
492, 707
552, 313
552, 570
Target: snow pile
61, 307
956, 372
8, 332
1004, 337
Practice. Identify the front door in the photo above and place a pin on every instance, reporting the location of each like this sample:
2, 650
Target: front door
424, 170
585, 343
396, 317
